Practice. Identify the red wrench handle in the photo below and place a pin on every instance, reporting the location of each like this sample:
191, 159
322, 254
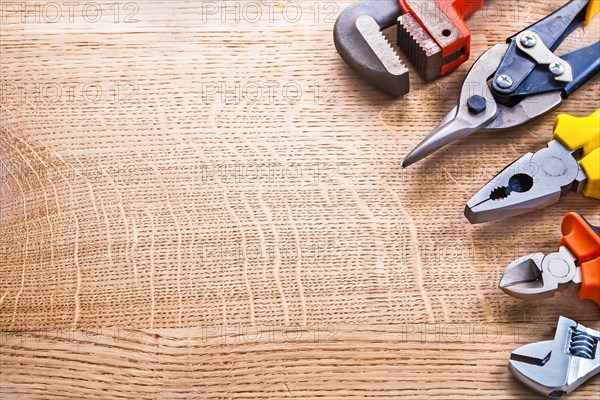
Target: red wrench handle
456, 11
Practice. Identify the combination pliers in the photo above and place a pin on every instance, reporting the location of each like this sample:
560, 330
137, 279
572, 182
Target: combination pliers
570, 162
512, 84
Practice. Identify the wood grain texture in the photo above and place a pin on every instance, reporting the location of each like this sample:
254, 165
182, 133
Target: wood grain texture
185, 186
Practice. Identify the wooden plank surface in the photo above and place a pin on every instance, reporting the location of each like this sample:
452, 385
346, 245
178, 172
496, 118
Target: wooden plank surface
201, 201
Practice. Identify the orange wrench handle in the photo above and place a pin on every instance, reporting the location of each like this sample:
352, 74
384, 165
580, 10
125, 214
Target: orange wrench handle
583, 240
456, 11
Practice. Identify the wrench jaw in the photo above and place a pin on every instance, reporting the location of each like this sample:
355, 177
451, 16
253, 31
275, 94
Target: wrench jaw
419, 47
539, 367
553, 367
358, 38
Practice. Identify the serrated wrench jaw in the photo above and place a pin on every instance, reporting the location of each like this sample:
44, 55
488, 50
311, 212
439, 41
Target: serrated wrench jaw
419, 47
359, 40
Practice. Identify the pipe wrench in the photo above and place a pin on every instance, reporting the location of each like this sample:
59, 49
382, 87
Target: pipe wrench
432, 35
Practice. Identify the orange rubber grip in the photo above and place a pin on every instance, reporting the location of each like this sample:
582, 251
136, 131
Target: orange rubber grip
590, 277
584, 242
456, 11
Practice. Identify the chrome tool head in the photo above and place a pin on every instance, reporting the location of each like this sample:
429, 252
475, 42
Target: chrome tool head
358, 38
419, 47
537, 276
532, 182
520, 114
465, 119
526, 77
555, 368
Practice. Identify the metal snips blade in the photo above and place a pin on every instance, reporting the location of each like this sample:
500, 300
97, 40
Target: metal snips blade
526, 71
478, 110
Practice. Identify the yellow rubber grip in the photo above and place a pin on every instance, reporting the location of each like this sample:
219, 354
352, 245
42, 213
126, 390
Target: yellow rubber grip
593, 8
582, 133
590, 164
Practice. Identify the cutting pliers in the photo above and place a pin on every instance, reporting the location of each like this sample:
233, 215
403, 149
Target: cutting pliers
526, 79
577, 262
555, 368
570, 162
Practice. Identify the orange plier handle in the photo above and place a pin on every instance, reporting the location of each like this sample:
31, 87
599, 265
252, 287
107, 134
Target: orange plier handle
583, 240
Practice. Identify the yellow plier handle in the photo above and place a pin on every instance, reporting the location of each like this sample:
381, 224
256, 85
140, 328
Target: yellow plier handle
582, 133
593, 8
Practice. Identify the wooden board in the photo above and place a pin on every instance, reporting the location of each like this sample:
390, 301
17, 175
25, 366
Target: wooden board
200, 200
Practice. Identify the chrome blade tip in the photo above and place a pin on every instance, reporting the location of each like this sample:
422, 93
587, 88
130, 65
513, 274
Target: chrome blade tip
476, 217
414, 156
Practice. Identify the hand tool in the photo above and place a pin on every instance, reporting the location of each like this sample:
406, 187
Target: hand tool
432, 34
576, 263
555, 368
528, 81
570, 162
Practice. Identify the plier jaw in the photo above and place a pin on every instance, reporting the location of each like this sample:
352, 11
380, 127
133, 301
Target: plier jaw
532, 182
555, 368
539, 276
576, 263
569, 163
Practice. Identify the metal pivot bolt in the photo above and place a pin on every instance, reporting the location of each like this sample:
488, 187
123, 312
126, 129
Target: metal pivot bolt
504, 81
557, 68
476, 104
528, 40
532, 44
